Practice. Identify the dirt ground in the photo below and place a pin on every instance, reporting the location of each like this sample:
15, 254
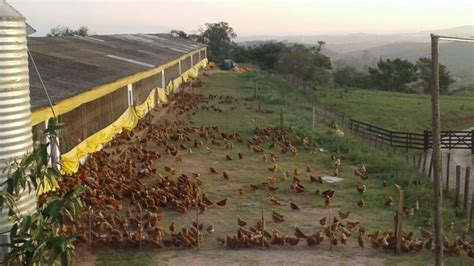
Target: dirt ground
253, 170
286, 256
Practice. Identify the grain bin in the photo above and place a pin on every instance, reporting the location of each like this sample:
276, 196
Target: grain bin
15, 114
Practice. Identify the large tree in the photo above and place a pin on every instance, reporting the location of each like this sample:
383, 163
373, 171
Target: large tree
351, 77
305, 63
424, 74
393, 75
218, 37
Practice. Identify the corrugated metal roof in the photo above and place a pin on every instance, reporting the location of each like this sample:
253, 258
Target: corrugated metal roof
70, 65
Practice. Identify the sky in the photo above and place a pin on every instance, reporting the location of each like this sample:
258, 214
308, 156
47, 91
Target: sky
249, 17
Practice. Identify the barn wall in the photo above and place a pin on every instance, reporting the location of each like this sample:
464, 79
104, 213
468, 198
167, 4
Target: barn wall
142, 88
196, 58
186, 64
93, 116
171, 73
37, 131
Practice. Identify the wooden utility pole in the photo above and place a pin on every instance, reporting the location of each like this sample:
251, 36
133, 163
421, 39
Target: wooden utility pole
436, 154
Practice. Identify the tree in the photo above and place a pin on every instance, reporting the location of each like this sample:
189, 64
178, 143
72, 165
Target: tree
218, 37
393, 75
305, 63
265, 55
60, 31
180, 34
424, 74
39, 238
82, 31
349, 76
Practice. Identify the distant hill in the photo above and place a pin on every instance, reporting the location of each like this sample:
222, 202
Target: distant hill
358, 41
364, 50
458, 57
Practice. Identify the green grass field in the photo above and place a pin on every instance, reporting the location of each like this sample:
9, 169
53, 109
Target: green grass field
297, 116
399, 111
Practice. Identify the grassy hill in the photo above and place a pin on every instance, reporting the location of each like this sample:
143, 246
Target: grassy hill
399, 111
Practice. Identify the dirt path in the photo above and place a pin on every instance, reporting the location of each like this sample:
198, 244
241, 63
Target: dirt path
270, 257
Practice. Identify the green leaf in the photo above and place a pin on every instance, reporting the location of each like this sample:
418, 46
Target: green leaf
53, 209
13, 231
43, 154
53, 126
25, 224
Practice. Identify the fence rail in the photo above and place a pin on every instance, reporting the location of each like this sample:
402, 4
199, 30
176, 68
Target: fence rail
449, 139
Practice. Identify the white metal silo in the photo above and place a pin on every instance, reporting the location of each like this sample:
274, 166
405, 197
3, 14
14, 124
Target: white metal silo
15, 114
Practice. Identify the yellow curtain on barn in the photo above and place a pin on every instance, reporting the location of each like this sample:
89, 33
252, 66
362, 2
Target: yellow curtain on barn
127, 121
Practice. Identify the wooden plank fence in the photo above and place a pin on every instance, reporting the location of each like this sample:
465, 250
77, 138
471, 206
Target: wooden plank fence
449, 139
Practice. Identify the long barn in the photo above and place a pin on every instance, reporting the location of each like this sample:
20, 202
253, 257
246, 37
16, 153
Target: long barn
100, 85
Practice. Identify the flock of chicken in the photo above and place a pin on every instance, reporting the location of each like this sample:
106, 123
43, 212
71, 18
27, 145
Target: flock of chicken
126, 193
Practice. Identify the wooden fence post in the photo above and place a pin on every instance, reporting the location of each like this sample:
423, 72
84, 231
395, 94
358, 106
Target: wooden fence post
471, 213
466, 187
314, 117
263, 230
425, 140
419, 161
281, 118
424, 161
197, 227
399, 222
431, 165
458, 186
472, 141
448, 169
90, 226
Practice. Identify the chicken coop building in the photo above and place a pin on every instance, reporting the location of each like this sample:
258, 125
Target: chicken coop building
100, 85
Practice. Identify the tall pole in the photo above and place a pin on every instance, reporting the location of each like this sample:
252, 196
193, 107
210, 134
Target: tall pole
436, 155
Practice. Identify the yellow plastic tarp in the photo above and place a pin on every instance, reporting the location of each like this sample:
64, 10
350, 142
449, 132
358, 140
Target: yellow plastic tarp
70, 160
162, 96
127, 121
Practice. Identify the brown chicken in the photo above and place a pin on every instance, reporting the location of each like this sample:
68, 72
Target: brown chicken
327, 201
292, 241
360, 240
273, 168
299, 233
223, 202
206, 200
213, 171
343, 238
210, 229
361, 203
293, 206
277, 218
343, 215
361, 189
389, 202
323, 221
225, 175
